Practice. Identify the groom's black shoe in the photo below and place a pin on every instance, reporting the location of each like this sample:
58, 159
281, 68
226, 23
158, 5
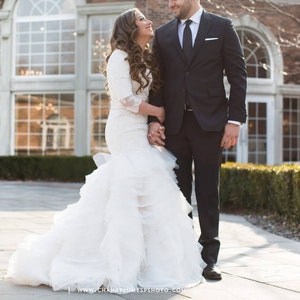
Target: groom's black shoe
212, 272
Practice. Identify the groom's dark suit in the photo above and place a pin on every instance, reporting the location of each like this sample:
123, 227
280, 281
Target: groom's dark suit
195, 135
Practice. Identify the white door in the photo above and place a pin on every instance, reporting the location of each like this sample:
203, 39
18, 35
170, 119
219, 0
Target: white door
257, 137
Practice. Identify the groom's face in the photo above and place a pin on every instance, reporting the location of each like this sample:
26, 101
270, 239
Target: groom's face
181, 8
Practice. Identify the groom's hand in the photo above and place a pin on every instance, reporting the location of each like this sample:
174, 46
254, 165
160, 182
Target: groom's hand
156, 134
230, 136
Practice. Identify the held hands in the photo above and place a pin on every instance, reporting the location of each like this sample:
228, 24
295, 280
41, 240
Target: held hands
156, 134
230, 136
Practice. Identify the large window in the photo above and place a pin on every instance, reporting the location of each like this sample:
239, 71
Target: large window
291, 129
258, 64
45, 38
100, 31
256, 54
257, 133
99, 113
44, 124
100, 28
229, 155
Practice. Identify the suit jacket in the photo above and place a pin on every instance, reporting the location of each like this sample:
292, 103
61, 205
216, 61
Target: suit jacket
216, 49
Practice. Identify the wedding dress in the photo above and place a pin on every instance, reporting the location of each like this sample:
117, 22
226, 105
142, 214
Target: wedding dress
130, 228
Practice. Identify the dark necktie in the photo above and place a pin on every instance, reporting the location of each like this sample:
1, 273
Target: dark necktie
187, 42
187, 46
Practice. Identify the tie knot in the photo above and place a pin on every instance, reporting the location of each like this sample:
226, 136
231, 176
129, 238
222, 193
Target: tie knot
188, 22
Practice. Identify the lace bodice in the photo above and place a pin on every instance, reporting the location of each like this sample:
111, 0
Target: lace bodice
122, 89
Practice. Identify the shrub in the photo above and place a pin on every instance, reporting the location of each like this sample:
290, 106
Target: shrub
258, 188
247, 187
47, 168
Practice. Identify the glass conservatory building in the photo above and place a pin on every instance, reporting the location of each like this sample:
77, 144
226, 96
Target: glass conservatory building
53, 99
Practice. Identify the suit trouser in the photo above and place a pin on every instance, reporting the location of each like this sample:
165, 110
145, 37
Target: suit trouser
194, 144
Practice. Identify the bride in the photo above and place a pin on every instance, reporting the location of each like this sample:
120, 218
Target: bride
130, 228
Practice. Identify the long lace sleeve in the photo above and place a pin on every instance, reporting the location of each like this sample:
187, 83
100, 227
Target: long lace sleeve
119, 81
132, 103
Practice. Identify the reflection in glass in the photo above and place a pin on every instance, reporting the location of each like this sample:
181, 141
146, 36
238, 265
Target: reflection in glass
44, 124
229, 155
100, 30
99, 112
56, 133
291, 129
257, 133
52, 26
256, 54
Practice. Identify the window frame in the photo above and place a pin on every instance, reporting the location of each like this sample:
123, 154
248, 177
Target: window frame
43, 65
39, 149
259, 80
290, 136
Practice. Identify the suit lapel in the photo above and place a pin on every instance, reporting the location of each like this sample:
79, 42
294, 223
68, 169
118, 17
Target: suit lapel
175, 38
204, 26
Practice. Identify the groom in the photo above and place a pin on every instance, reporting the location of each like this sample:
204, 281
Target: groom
194, 50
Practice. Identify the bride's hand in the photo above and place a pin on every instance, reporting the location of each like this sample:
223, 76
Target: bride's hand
161, 114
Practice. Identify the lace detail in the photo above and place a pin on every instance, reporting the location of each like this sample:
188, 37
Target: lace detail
132, 103
122, 88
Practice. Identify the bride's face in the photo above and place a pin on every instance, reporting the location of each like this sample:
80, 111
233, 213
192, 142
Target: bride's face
144, 25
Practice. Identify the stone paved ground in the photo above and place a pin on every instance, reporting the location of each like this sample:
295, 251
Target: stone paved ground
255, 263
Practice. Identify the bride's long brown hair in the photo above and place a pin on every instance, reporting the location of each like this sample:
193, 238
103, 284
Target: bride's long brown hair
123, 37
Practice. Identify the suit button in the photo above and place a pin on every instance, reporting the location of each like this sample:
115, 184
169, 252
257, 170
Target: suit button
187, 73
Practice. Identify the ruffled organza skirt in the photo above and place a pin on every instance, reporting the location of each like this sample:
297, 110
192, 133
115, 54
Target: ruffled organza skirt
129, 229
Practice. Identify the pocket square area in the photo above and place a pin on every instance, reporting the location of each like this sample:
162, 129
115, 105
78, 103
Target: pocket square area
211, 39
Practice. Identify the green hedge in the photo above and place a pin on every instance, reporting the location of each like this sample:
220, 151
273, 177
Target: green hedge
257, 188
46, 168
246, 187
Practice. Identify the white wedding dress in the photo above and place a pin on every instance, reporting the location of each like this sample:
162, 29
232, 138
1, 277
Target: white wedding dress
130, 227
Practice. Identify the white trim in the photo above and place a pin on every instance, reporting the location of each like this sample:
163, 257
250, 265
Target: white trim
12, 124
9, 5
289, 89
246, 22
36, 6
105, 8
88, 121
286, 2
43, 18
4, 14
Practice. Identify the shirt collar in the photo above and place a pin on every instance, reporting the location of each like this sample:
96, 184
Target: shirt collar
195, 18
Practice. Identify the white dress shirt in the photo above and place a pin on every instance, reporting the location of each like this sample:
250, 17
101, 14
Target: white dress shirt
194, 26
